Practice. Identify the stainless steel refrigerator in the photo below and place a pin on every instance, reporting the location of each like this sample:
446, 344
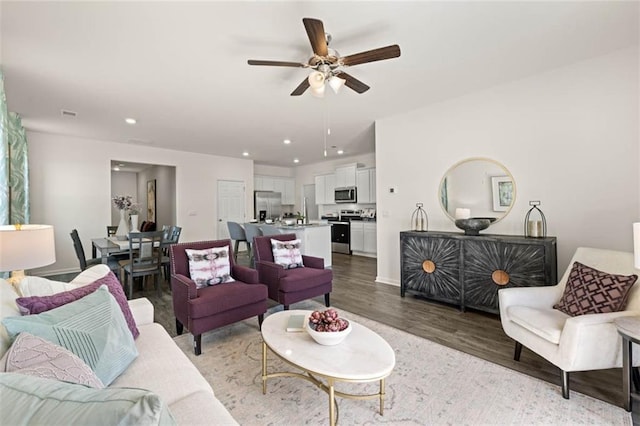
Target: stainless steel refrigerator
267, 205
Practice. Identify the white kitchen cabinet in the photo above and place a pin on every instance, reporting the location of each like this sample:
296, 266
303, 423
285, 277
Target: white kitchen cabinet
330, 189
325, 189
283, 185
363, 237
366, 183
289, 194
346, 176
357, 236
370, 238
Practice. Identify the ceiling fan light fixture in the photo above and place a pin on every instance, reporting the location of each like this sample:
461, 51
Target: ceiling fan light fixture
336, 83
318, 92
316, 80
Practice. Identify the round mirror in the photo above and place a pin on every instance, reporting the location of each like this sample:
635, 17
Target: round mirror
477, 188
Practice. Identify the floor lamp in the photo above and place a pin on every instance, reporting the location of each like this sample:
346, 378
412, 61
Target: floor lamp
25, 247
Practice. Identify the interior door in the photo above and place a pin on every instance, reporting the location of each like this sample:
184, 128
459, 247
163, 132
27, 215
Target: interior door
231, 205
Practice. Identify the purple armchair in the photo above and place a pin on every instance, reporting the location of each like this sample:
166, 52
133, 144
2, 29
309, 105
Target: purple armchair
214, 306
287, 286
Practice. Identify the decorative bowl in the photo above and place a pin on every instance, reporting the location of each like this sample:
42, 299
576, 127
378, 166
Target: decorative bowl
474, 225
328, 338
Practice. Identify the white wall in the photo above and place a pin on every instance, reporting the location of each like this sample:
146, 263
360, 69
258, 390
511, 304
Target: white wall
569, 137
165, 178
70, 188
122, 183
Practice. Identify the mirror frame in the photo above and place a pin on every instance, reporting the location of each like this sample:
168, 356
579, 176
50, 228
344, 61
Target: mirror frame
467, 160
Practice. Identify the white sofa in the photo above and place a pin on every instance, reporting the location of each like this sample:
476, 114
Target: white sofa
160, 367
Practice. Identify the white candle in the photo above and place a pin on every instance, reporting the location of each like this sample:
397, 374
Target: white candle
463, 213
535, 228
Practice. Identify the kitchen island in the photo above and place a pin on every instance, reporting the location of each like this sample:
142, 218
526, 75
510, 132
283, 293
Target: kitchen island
315, 239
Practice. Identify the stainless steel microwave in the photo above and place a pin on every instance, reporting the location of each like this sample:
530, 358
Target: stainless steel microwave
346, 195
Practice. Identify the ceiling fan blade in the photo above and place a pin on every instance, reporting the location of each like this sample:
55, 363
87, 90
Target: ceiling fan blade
301, 88
379, 54
315, 31
276, 63
353, 83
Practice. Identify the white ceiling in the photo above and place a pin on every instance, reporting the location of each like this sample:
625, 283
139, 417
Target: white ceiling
180, 68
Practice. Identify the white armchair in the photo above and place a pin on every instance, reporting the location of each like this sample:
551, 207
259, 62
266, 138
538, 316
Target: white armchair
581, 343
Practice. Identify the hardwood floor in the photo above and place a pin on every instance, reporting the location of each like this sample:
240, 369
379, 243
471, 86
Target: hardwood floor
476, 333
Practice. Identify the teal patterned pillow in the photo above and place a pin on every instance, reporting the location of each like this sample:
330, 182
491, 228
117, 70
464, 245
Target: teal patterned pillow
37, 401
93, 328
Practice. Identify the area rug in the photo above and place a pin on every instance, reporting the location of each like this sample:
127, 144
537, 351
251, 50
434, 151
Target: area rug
430, 385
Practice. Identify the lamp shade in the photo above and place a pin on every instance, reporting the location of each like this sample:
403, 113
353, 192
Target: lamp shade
316, 80
318, 93
336, 83
636, 245
26, 247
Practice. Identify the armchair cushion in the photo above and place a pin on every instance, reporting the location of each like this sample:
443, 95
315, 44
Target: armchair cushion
225, 297
303, 278
287, 253
210, 266
546, 323
590, 291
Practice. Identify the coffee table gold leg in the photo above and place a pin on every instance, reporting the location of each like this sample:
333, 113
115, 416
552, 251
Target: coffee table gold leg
382, 397
264, 368
332, 404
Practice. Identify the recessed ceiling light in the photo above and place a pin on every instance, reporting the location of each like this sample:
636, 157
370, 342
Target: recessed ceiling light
121, 165
117, 169
295, 160
245, 154
287, 141
130, 120
340, 152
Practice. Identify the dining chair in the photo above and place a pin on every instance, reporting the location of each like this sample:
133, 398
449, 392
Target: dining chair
171, 235
145, 259
237, 234
251, 230
111, 230
112, 262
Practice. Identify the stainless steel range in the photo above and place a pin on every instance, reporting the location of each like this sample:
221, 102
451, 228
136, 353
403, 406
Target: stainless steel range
341, 230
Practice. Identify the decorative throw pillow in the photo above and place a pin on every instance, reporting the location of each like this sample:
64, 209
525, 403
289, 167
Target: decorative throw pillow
287, 253
93, 328
37, 401
38, 304
210, 266
589, 291
34, 356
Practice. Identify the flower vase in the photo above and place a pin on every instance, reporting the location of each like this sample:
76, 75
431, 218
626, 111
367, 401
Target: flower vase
134, 223
123, 227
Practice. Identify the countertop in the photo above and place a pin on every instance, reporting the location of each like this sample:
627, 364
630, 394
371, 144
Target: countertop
308, 225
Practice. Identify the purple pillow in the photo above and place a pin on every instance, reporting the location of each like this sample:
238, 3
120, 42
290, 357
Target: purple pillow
37, 304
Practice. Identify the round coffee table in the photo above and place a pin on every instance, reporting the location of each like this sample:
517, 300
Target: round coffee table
362, 357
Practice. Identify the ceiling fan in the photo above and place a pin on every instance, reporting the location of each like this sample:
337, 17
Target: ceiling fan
327, 63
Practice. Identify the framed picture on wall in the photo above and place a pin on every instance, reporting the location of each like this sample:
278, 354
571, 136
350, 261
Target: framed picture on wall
151, 200
502, 190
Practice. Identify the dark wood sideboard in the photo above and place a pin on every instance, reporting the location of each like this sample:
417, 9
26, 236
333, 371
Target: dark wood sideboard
468, 271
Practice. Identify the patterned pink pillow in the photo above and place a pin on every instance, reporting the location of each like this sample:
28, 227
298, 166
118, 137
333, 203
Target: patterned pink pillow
589, 291
35, 356
37, 304
287, 253
209, 266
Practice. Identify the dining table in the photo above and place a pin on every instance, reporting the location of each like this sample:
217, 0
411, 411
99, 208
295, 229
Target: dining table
109, 246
